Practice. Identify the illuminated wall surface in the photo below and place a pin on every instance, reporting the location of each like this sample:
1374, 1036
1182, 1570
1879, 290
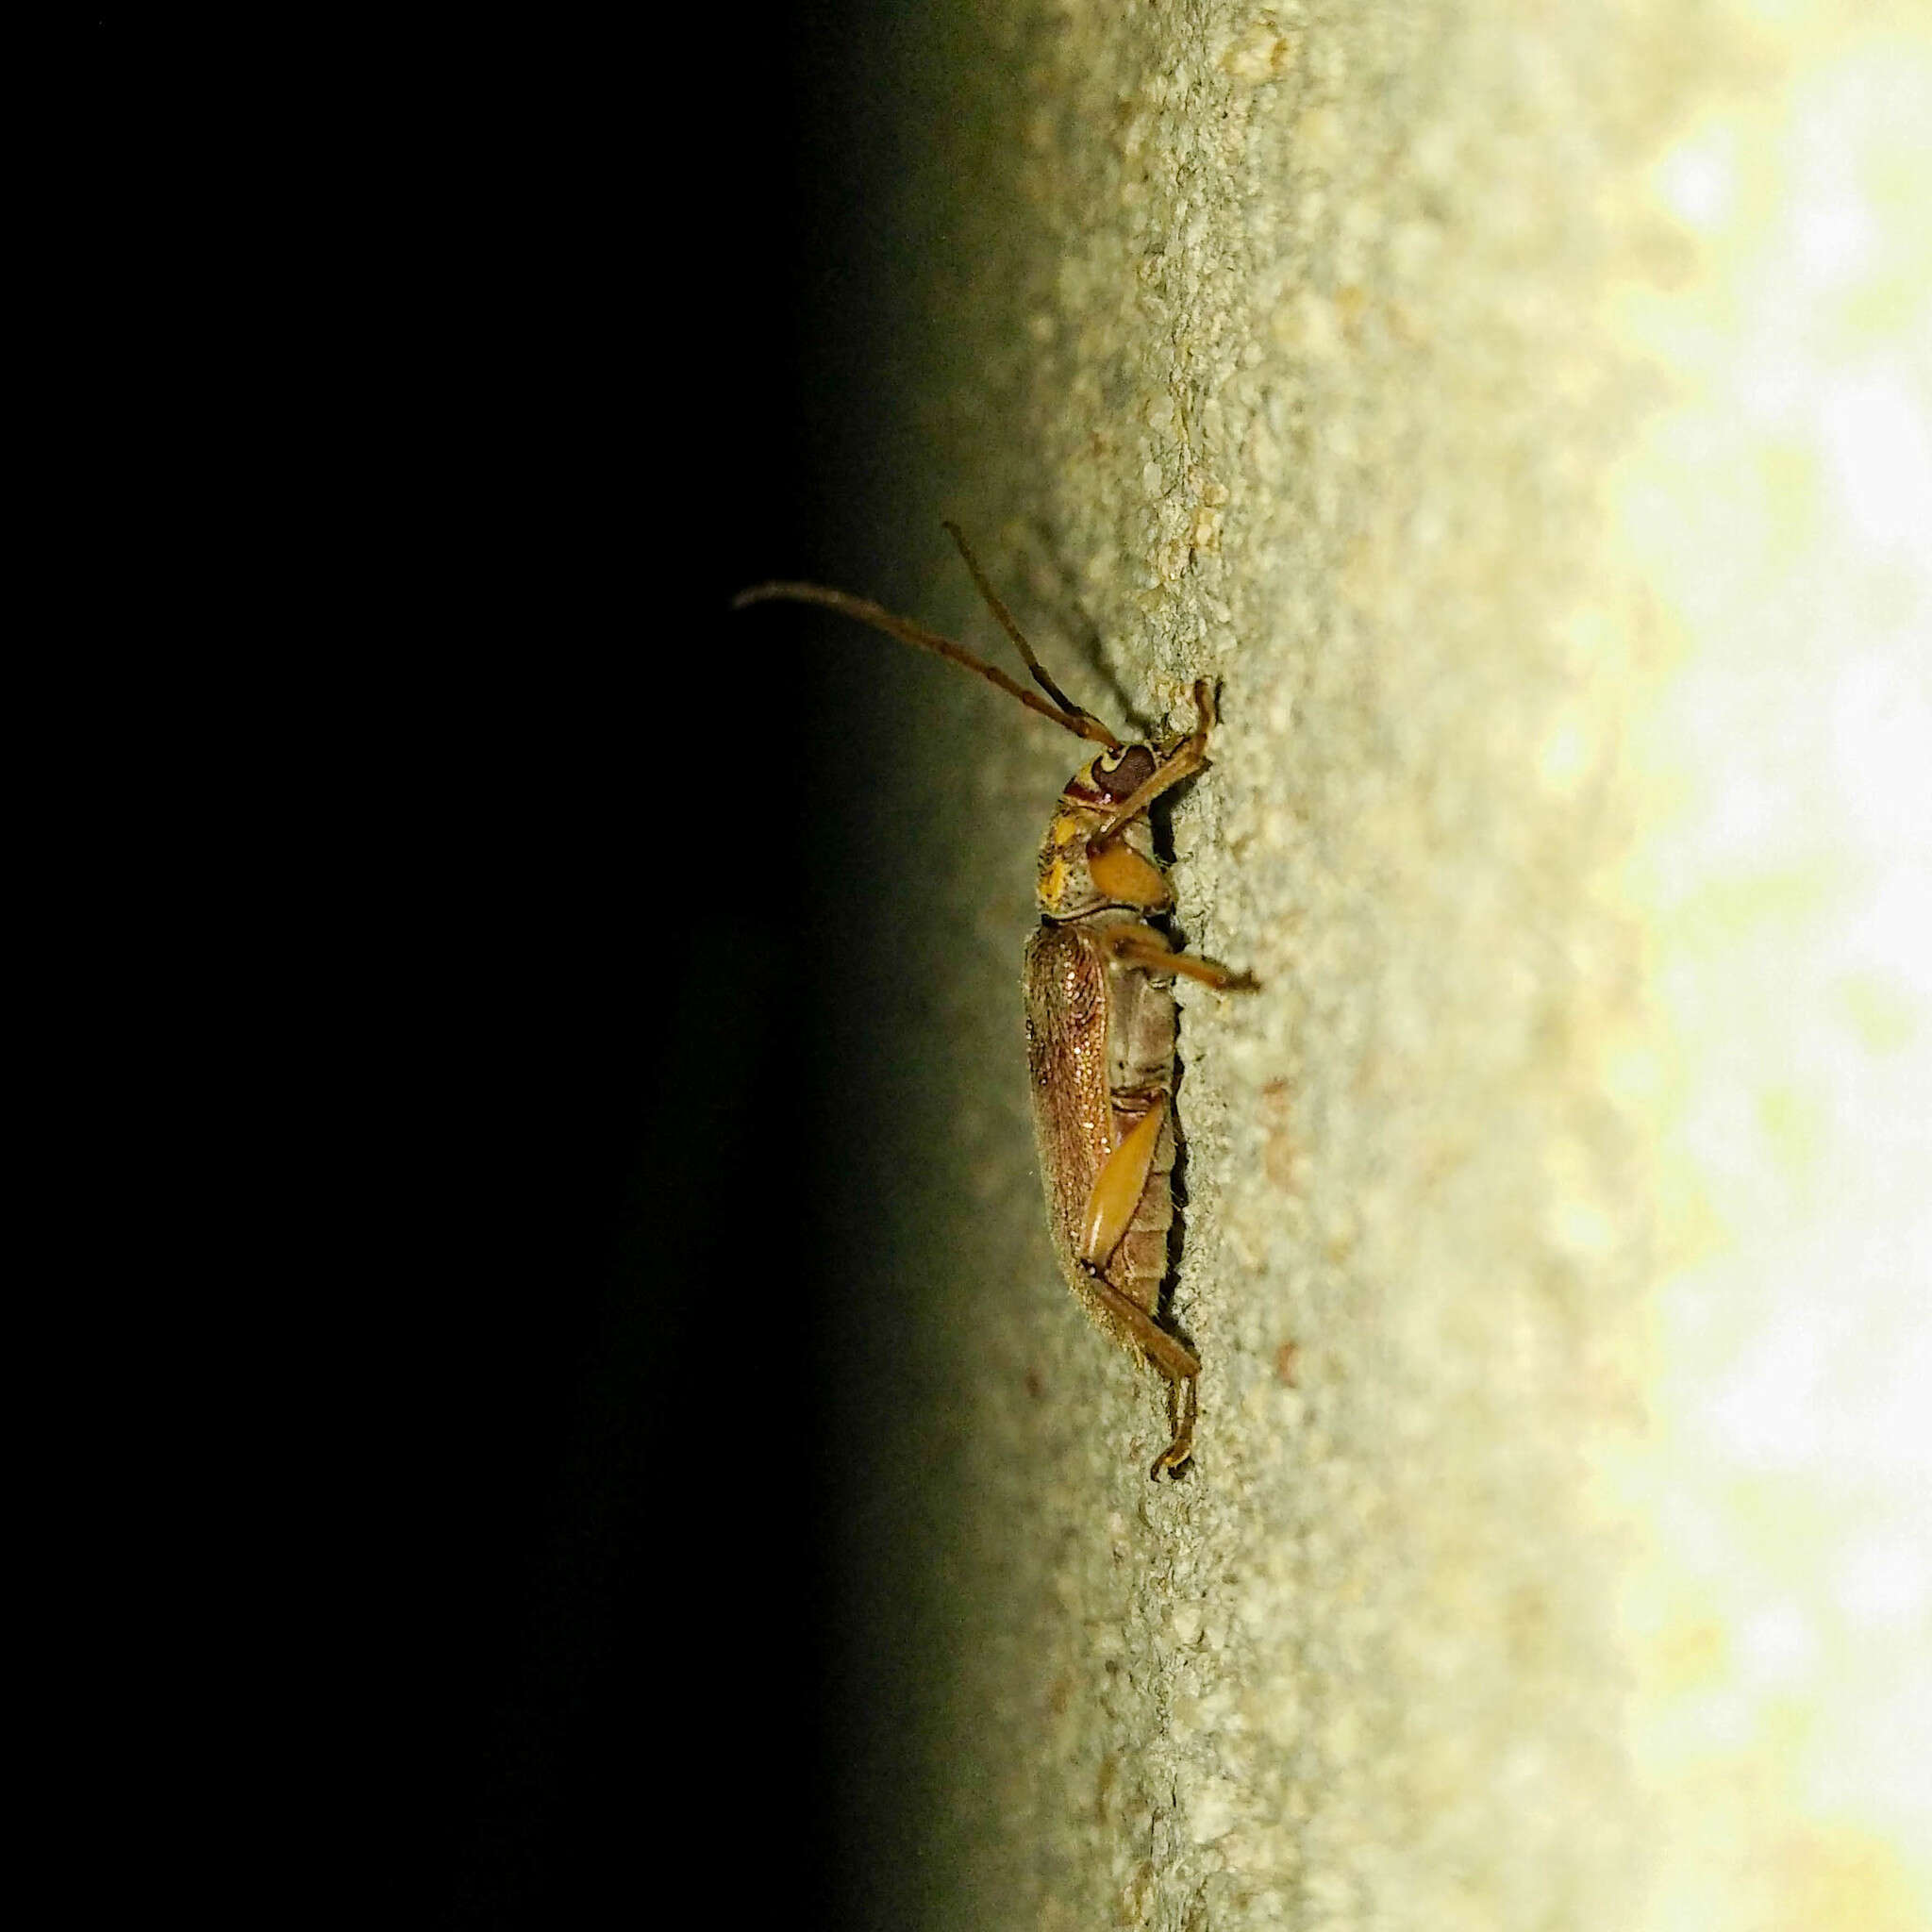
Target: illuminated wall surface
1528, 414
1780, 507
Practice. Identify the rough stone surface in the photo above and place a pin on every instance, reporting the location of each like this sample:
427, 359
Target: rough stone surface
1293, 345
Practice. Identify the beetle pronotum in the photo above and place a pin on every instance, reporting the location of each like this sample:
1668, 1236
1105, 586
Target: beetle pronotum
1100, 1010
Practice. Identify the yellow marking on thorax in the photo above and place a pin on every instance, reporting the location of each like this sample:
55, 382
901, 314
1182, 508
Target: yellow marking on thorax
1066, 828
1054, 884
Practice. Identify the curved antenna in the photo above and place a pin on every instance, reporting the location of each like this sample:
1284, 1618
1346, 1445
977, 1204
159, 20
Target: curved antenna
1067, 715
1026, 650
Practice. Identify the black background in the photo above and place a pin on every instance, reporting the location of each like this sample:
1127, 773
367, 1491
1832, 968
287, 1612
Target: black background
482, 904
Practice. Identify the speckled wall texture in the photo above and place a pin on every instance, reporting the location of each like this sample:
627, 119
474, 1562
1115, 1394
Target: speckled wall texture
1523, 411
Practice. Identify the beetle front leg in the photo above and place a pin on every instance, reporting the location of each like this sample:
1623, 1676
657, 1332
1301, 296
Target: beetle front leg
1145, 947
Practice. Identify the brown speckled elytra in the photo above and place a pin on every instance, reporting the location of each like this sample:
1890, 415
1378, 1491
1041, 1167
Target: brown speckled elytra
1100, 1010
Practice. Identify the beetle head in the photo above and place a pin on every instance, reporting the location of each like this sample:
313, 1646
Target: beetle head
1105, 780
1073, 877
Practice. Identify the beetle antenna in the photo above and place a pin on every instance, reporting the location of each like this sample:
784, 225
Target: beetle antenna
1067, 716
1026, 650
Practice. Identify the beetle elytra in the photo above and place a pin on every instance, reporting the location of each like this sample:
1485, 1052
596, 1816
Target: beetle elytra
1100, 1010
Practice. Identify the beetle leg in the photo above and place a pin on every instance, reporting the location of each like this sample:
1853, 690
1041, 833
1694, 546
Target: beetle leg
1183, 1403
1173, 1358
1118, 1185
1116, 1195
1149, 949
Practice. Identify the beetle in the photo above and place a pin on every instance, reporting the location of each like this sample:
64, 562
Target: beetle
1099, 997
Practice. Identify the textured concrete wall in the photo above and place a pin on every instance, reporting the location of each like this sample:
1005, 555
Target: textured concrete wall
1395, 365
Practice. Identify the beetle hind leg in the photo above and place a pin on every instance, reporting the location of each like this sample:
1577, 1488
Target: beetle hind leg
1171, 1357
1119, 1184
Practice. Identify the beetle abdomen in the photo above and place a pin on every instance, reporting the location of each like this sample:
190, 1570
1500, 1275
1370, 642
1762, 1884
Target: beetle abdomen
1140, 1042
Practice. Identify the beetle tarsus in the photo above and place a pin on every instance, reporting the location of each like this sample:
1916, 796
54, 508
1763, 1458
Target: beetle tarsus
1183, 1402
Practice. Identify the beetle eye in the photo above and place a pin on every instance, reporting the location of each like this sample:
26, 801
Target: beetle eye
1121, 773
